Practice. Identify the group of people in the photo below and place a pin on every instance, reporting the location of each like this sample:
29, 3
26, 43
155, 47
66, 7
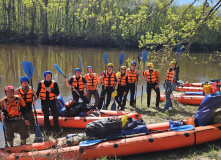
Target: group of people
17, 105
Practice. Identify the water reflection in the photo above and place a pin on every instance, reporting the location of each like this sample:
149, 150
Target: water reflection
44, 58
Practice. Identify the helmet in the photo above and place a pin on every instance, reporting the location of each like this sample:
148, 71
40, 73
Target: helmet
110, 65
89, 67
47, 72
133, 63
150, 65
173, 62
24, 78
77, 69
9, 88
123, 67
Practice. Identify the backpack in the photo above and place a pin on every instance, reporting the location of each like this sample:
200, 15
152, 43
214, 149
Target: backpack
104, 127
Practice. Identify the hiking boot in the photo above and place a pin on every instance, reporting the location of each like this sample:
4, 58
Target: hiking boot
157, 107
170, 108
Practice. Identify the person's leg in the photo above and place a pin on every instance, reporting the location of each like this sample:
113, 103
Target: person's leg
168, 100
30, 117
101, 100
130, 90
22, 130
45, 109
149, 88
109, 92
88, 96
96, 97
158, 96
124, 98
54, 111
75, 96
133, 102
9, 129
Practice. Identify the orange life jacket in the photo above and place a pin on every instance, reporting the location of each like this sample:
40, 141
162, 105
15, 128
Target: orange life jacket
152, 78
132, 76
28, 97
110, 80
12, 108
170, 75
92, 82
42, 94
76, 83
122, 80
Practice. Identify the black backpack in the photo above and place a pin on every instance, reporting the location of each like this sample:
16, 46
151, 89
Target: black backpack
104, 127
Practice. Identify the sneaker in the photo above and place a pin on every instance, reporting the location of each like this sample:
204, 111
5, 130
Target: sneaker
157, 107
170, 108
134, 105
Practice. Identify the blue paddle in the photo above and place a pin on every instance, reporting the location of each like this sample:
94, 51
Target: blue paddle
144, 56
28, 69
80, 62
179, 50
121, 60
59, 70
96, 141
105, 62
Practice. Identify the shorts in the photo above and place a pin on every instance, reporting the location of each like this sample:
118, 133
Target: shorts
16, 125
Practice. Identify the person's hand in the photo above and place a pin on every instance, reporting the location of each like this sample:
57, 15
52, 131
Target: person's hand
163, 86
156, 86
48, 89
66, 79
34, 101
26, 122
33, 91
85, 94
125, 93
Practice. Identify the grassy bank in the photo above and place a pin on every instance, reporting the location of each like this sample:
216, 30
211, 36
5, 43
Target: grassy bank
211, 150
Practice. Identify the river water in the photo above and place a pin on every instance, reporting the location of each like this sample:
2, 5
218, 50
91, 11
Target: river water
44, 58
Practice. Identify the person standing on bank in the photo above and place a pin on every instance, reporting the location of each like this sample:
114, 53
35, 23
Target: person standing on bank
77, 83
29, 96
13, 107
170, 84
153, 81
108, 79
122, 89
133, 75
91, 89
48, 91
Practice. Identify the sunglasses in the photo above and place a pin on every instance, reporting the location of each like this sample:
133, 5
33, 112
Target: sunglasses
123, 69
133, 65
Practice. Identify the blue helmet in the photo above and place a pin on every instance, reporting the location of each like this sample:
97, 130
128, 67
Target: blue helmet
24, 78
77, 69
133, 63
47, 72
89, 67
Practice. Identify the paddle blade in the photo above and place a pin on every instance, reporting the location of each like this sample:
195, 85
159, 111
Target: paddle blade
38, 135
80, 61
25, 66
104, 107
105, 58
113, 106
121, 58
30, 70
179, 48
144, 56
89, 142
182, 128
58, 69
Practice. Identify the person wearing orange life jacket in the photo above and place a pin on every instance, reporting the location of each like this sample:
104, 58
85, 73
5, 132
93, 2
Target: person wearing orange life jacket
153, 81
48, 91
170, 84
77, 83
91, 88
133, 75
122, 89
108, 79
13, 106
29, 96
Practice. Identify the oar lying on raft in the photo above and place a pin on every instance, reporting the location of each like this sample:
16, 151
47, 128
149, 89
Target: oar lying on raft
96, 141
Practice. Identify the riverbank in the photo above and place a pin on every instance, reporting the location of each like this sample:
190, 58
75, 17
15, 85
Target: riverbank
84, 41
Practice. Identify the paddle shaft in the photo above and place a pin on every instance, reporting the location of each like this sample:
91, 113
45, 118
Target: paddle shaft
34, 106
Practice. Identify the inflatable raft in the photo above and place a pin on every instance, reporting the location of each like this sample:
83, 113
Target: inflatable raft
192, 89
80, 122
184, 99
151, 142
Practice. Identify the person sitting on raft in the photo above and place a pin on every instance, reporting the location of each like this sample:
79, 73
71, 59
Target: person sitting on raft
13, 106
29, 96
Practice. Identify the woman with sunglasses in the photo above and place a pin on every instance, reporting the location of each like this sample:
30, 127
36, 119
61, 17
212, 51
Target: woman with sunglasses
122, 89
